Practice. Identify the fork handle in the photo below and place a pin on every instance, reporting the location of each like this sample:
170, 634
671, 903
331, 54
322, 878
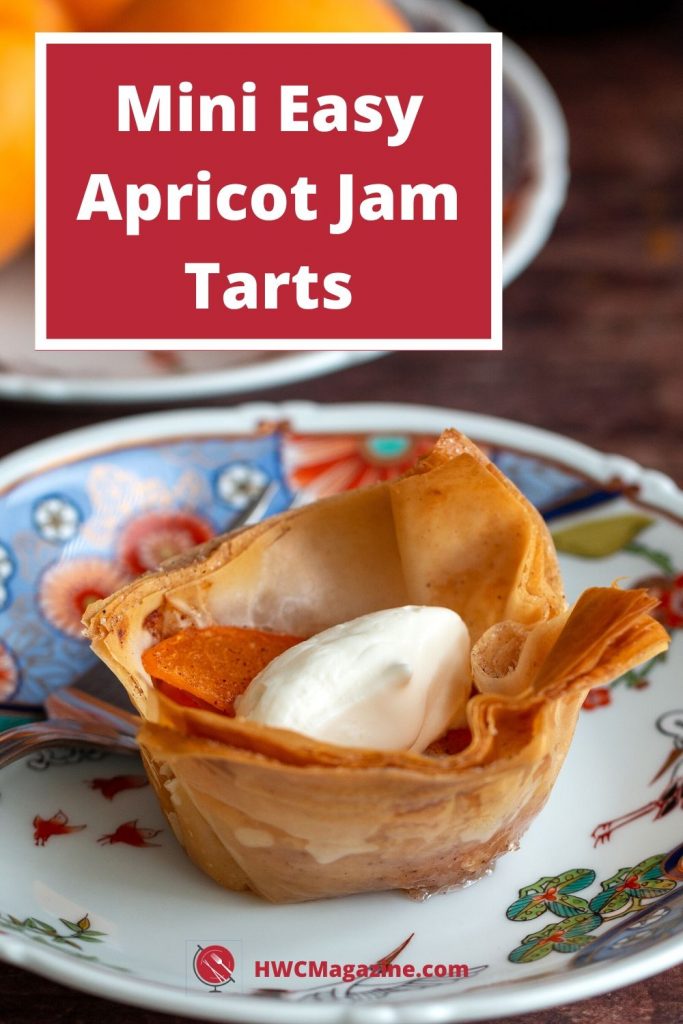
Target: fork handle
69, 702
22, 740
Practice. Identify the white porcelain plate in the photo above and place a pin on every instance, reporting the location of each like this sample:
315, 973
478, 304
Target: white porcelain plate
127, 377
97, 894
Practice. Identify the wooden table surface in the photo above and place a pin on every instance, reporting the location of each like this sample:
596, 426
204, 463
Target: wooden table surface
593, 334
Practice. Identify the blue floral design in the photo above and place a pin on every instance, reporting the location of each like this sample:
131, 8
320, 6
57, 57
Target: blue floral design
81, 502
7, 571
56, 518
75, 511
240, 483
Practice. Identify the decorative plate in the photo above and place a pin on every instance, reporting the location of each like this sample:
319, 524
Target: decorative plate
536, 139
96, 892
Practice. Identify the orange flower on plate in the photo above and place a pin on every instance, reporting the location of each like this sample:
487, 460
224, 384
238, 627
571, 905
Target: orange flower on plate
672, 604
321, 466
9, 674
67, 589
599, 697
150, 540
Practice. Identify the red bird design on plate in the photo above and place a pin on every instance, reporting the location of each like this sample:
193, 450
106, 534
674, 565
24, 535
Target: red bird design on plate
131, 834
117, 784
57, 825
670, 798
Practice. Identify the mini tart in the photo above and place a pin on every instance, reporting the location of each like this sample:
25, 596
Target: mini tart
293, 819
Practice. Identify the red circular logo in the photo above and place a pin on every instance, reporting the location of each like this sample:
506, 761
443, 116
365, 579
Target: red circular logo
214, 966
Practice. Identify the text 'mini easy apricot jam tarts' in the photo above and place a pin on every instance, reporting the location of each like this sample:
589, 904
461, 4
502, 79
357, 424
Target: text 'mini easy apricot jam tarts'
374, 691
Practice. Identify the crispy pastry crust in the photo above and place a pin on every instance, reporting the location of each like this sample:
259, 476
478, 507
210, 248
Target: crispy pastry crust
294, 819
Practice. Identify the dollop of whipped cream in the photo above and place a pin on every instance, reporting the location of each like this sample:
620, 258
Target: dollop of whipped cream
391, 680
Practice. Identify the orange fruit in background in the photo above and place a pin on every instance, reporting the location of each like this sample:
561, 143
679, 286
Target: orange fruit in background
19, 19
95, 14
261, 16
16, 141
34, 16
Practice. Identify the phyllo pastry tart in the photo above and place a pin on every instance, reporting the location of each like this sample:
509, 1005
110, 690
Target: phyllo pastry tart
374, 691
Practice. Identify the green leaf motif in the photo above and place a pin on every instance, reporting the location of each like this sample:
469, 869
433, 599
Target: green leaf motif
650, 868
572, 945
614, 880
540, 886
600, 537
610, 901
647, 870
528, 952
562, 936
580, 925
659, 558
552, 893
567, 906
625, 890
47, 934
524, 909
576, 879
41, 926
653, 889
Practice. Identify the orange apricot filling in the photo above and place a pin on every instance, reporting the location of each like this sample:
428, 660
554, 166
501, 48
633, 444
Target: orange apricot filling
208, 668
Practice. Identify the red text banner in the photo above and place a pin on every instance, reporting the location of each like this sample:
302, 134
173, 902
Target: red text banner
268, 192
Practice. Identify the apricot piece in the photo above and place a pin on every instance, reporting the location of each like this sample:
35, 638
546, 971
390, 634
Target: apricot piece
183, 697
214, 665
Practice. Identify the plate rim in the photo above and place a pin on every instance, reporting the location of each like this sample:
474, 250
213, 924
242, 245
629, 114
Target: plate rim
284, 369
483, 1001
654, 487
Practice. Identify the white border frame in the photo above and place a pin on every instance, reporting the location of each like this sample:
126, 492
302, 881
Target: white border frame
494, 343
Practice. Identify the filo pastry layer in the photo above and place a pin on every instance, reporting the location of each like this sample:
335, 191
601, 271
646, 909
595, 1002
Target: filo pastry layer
293, 819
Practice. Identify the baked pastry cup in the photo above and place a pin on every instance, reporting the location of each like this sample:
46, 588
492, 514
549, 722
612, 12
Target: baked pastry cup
291, 818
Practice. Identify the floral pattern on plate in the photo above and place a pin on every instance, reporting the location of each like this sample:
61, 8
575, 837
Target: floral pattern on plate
9, 673
69, 940
56, 518
150, 539
67, 588
625, 892
7, 570
79, 530
321, 466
